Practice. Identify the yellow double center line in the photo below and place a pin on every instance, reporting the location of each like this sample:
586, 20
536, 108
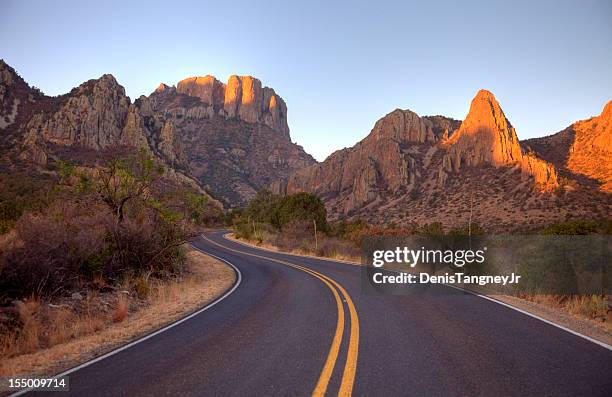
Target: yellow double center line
350, 367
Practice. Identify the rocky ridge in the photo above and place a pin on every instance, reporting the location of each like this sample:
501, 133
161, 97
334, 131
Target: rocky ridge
424, 169
232, 139
582, 151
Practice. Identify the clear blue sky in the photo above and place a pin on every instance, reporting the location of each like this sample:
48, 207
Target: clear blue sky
340, 66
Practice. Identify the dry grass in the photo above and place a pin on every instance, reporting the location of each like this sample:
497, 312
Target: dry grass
121, 310
54, 339
43, 326
328, 247
594, 307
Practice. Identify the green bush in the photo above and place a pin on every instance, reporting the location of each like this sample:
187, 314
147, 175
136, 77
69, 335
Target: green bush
579, 227
279, 211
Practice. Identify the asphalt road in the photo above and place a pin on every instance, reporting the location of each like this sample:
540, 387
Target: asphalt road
290, 330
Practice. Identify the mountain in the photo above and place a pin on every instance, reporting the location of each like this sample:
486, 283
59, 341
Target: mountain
582, 151
231, 139
487, 137
435, 169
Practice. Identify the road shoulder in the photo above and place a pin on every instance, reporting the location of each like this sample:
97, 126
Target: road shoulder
207, 279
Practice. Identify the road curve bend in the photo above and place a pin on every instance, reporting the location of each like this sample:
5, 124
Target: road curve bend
302, 326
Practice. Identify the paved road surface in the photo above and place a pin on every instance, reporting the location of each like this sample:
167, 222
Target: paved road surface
298, 326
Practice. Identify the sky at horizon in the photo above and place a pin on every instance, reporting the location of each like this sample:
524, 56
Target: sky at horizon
340, 66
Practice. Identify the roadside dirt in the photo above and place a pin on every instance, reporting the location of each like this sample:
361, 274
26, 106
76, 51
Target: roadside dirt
206, 279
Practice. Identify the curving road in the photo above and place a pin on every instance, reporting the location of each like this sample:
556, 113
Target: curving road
299, 326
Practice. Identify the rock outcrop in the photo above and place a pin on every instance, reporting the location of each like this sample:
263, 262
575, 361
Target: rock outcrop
242, 98
487, 137
388, 161
223, 134
93, 116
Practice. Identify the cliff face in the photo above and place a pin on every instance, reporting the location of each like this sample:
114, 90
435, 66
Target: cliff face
388, 160
223, 135
232, 138
426, 169
242, 98
582, 151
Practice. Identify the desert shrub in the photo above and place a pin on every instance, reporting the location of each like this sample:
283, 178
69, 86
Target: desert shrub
579, 227
55, 244
346, 229
264, 207
20, 194
107, 223
431, 229
192, 206
474, 230
302, 207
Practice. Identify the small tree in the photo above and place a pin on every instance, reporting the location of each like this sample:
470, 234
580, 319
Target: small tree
303, 207
125, 180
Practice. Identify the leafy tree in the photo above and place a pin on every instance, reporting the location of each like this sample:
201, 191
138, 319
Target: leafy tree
126, 180
303, 206
264, 208
278, 211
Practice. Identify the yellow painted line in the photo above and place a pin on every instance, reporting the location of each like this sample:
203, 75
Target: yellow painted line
350, 367
334, 350
348, 376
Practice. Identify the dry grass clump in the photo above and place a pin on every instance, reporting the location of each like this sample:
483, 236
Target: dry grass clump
36, 325
594, 307
121, 309
297, 237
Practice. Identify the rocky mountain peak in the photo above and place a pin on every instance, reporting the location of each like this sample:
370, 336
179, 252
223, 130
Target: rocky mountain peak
486, 114
487, 137
602, 128
243, 98
581, 151
161, 87
7, 74
210, 90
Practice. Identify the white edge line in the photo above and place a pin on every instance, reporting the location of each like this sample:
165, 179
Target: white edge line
597, 342
148, 336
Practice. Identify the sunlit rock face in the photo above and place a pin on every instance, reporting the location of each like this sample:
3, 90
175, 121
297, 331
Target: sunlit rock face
207, 88
232, 137
389, 161
486, 136
582, 151
243, 98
